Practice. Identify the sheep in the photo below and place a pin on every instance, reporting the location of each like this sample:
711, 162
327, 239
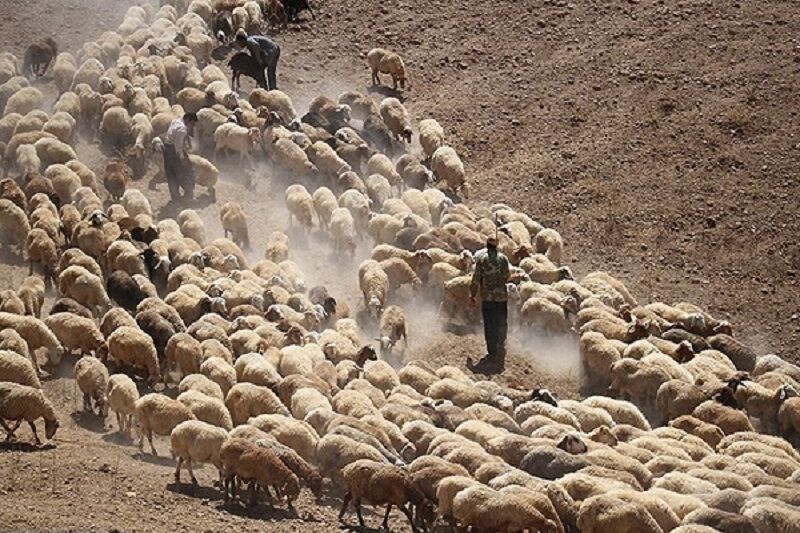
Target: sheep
431, 136
396, 118
621, 411
27, 160
18, 368
14, 225
121, 395
92, 378
326, 160
610, 513
374, 285
358, 205
234, 221
12, 341
392, 328
159, 414
386, 62
207, 409
447, 167
260, 465
11, 303
789, 415
24, 101
35, 333
742, 356
275, 101
335, 452
20, 402
509, 509
235, 138
300, 205
136, 204
254, 368
728, 419
295, 434
205, 174
131, 346
381, 165
379, 483
75, 333
194, 440
291, 158
246, 400
709, 433
598, 356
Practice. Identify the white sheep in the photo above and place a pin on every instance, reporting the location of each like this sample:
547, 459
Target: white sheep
133, 347
300, 205
92, 378
232, 137
14, 226
207, 409
447, 167
121, 395
159, 414
374, 285
17, 368
431, 136
22, 403
196, 441
386, 62
395, 116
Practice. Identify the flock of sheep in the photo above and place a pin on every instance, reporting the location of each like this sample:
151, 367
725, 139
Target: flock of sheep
275, 385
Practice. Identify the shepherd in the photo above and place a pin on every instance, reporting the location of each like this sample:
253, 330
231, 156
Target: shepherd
177, 166
265, 51
489, 280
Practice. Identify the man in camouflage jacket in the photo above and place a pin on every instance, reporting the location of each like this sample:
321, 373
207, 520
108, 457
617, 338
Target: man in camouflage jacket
489, 279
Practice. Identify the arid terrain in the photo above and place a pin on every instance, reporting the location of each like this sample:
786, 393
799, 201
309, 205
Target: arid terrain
659, 138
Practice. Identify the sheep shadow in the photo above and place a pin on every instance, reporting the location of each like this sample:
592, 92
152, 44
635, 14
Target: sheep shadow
195, 491
158, 460
26, 447
258, 511
89, 421
386, 92
117, 437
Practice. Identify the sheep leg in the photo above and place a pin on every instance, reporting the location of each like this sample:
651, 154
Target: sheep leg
375, 79
87, 403
252, 490
386, 517
9, 431
178, 471
33, 430
358, 512
345, 503
410, 517
150, 440
191, 473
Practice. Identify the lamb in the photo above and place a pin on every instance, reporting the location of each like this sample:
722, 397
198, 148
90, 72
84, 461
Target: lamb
121, 396
386, 62
374, 285
234, 221
20, 402
17, 368
205, 174
447, 167
159, 414
392, 328
300, 205
75, 333
380, 483
246, 400
132, 347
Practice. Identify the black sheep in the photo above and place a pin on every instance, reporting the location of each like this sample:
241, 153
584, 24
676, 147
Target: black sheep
222, 26
38, 57
244, 63
295, 7
124, 290
68, 305
159, 328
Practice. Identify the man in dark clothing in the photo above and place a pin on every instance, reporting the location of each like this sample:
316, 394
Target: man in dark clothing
265, 51
177, 166
489, 279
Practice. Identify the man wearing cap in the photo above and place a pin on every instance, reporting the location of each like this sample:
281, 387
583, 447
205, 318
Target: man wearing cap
490, 278
265, 51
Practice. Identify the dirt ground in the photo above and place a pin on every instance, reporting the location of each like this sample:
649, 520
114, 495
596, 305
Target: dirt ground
657, 137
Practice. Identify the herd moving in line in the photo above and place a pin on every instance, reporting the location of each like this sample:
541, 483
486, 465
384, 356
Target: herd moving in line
275, 385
